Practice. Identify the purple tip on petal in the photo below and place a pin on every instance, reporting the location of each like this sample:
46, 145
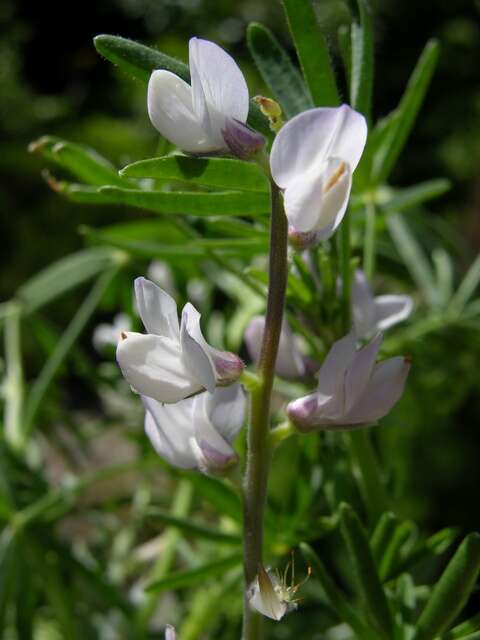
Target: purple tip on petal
215, 462
228, 366
301, 412
302, 240
242, 141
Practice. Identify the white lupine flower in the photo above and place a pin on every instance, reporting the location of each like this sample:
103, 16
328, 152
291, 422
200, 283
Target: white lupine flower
171, 361
270, 594
352, 390
197, 432
312, 160
372, 314
107, 335
210, 115
290, 362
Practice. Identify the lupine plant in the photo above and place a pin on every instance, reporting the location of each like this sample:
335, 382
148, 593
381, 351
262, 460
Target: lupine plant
263, 409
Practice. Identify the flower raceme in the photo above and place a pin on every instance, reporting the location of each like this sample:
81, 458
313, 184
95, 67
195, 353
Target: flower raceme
210, 115
171, 361
312, 160
352, 390
197, 433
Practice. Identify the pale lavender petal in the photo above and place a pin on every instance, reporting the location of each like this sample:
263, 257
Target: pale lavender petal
359, 372
335, 365
242, 141
170, 633
154, 367
383, 391
392, 309
157, 309
227, 409
171, 112
195, 350
170, 430
214, 454
218, 86
363, 306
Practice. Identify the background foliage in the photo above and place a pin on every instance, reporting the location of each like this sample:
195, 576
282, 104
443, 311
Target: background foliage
54, 82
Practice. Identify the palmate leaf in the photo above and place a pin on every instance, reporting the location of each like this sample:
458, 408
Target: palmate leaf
139, 61
223, 173
277, 70
312, 52
82, 162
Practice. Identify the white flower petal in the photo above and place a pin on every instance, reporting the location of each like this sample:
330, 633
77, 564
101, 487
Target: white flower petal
157, 309
214, 453
218, 86
154, 367
263, 598
384, 390
360, 371
309, 139
227, 410
170, 633
195, 350
391, 309
170, 430
170, 109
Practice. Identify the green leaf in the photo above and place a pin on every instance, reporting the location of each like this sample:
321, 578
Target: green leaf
83, 162
467, 287
228, 203
451, 592
194, 529
413, 257
382, 535
401, 122
403, 199
139, 61
210, 172
335, 597
136, 59
400, 535
367, 579
8, 569
444, 272
64, 275
81, 193
190, 577
218, 494
433, 546
277, 70
362, 61
68, 338
150, 229
312, 52
465, 629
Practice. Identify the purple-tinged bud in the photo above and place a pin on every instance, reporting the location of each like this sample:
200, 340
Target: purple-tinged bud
242, 141
228, 366
213, 461
301, 412
300, 240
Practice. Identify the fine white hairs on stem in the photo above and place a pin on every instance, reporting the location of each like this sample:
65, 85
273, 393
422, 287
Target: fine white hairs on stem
172, 361
313, 158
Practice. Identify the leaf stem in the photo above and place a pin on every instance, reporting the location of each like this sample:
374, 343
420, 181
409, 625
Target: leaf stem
258, 445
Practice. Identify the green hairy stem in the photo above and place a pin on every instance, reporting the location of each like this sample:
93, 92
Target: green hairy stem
259, 448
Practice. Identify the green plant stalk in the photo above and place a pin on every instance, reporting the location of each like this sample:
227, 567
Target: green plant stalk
180, 508
369, 242
371, 482
258, 445
14, 388
346, 272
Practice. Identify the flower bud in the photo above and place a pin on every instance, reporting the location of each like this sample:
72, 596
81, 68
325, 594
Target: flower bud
242, 141
228, 366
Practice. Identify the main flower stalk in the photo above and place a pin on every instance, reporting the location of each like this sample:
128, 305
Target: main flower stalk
258, 445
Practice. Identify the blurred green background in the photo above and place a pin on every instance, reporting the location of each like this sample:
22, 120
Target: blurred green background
52, 81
